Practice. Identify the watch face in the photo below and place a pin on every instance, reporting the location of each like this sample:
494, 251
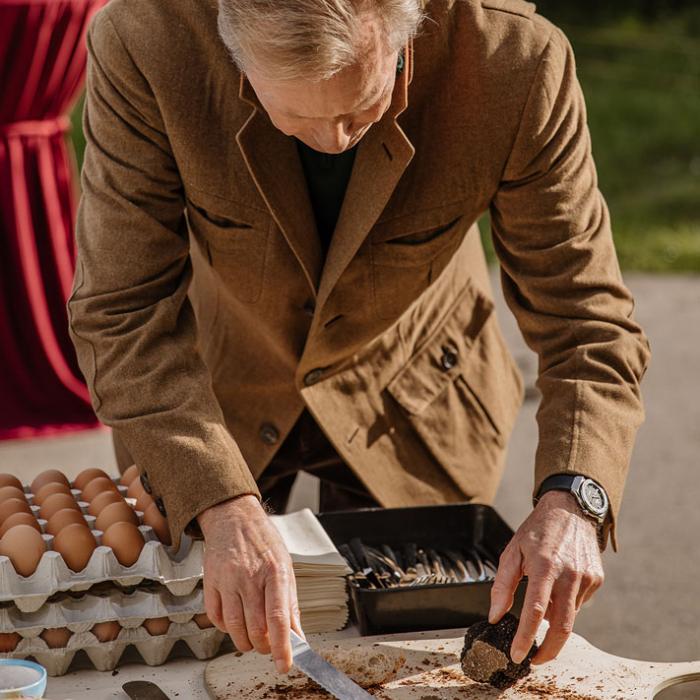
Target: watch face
594, 496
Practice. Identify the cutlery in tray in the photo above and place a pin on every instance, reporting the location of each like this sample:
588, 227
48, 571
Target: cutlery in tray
420, 568
410, 564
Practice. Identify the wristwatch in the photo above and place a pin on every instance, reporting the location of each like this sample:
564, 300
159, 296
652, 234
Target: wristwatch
589, 494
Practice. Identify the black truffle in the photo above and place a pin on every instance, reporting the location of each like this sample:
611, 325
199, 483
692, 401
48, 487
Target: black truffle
486, 654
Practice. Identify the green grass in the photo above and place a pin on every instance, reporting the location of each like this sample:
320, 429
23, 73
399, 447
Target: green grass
642, 88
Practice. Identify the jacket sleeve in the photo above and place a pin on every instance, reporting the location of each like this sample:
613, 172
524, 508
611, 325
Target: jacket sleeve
562, 281
130, 318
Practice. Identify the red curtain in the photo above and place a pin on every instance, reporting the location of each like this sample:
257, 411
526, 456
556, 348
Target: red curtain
42, 64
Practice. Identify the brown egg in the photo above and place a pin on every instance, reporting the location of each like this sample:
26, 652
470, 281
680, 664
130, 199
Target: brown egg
48, 477
88, 475
64, 517
9, 642
48, 490
116, 513
126, 542
157, 625
56, 502
129, 475
135, 489
99, 502
11, 480
144, 502
25, 547
106, 631
12, 506
203, 621
97, 486
57, 637
7, 492
75, 543
152, 517
19, 519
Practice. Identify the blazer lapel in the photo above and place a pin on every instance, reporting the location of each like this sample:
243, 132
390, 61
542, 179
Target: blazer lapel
382, 157
274, 165
273, 161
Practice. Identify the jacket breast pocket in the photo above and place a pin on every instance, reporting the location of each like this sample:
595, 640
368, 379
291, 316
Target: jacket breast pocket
461, 393
234, 239
408, 254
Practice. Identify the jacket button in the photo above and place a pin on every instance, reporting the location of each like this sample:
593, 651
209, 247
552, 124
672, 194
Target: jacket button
161, 507
146, 484
309, 307
313, 376
269, 434
448, 359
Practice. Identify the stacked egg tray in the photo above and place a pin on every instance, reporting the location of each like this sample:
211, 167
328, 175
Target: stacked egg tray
152, 620
67, 585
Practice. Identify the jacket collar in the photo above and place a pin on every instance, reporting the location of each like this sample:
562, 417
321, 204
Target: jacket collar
273, 161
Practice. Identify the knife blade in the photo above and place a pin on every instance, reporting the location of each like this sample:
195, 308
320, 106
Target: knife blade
143, 690
326, 675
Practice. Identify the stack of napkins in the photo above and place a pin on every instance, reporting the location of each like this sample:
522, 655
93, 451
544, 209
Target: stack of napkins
319, 569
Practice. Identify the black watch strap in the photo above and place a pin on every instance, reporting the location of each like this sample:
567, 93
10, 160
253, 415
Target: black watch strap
557, 482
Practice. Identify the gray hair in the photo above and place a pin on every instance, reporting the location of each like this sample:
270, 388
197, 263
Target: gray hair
314, 39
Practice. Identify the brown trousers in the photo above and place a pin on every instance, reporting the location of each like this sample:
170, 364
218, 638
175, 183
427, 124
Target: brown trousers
307, 449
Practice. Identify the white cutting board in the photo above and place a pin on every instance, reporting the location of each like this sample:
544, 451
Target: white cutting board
432, 672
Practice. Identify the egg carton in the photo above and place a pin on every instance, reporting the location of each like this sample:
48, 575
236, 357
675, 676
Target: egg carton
130, 608
179, 571
52, 575
105, 656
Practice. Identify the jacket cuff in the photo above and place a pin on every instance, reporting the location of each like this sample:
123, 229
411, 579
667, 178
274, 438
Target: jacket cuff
188, 473
583, 432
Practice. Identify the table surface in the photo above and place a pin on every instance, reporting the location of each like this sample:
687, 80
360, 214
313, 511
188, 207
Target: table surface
182, 676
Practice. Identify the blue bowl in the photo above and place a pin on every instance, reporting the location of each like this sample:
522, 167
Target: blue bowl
28, 686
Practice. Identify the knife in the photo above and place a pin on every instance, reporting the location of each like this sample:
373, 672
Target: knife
143, 690
326, 675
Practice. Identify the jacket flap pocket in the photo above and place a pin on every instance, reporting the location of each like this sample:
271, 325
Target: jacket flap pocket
224, 223
418, 226
444, 355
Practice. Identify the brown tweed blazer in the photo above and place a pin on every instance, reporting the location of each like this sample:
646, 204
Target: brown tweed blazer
205, 317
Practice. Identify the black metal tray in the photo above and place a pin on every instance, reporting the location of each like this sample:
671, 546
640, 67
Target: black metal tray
434, 606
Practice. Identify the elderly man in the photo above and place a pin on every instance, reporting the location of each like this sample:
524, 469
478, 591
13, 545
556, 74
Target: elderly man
279, 270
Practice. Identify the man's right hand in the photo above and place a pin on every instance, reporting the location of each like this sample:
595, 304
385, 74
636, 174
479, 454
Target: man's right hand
249, 586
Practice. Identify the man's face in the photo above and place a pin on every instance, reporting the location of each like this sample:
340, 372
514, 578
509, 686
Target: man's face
332, 115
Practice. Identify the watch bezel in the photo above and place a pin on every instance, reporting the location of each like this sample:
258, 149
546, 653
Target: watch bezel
597, 512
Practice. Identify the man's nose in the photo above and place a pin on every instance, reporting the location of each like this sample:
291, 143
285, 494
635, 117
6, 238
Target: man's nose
335, 137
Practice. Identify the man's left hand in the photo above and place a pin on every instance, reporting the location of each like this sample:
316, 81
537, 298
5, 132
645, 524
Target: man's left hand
557, 549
